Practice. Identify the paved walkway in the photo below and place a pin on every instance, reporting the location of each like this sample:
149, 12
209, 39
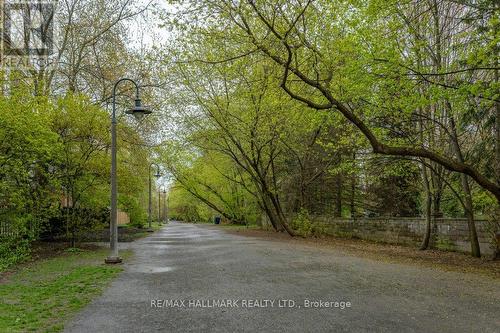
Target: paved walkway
202, 267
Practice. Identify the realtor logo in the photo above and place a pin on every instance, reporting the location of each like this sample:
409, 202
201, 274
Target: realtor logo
27, 32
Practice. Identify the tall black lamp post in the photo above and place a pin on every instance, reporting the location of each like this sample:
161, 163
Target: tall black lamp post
157, 175
138, 111
159, 204
165, 205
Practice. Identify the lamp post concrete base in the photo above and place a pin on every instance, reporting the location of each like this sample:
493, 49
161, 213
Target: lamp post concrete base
113, 260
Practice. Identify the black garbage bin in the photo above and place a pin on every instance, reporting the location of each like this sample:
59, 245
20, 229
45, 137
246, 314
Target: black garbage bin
217, 220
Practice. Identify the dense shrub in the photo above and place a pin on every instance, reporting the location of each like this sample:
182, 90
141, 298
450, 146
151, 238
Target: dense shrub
13, 249
137, 215
302, 223
71, 223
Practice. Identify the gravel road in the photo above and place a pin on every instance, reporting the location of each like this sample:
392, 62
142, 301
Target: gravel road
197, 278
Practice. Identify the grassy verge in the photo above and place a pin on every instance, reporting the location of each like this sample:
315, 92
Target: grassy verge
139, 233
155, 226
42, 295
126, 233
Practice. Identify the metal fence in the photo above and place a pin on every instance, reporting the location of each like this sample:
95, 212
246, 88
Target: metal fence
7, 229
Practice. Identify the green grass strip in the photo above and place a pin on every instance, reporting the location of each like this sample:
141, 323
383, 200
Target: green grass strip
43, 295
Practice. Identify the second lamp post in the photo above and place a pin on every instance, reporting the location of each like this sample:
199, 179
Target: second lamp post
165, 220
157, 175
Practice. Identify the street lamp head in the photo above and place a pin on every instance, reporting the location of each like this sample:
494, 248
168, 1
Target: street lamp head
158, 175
138, 111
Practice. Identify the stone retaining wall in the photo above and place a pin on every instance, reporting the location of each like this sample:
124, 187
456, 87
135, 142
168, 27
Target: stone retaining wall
451, 234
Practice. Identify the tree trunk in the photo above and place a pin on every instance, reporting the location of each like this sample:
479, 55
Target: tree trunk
469, 214
496, 254
279, 213
469, 208
353, 193
338, 196
427, 188
436, 210
428, 209
266, 207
